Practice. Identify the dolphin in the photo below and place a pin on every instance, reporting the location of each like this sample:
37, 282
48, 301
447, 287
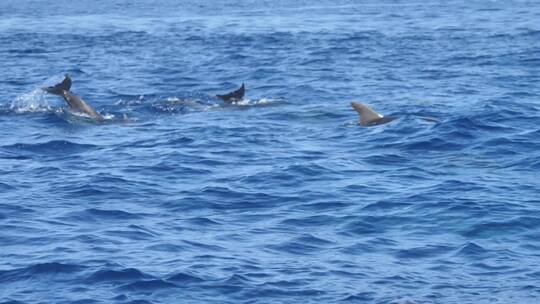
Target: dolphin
75, 103
368, 117
234, 95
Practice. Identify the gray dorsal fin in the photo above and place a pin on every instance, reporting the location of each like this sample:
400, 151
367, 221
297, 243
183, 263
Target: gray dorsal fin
59, 88
367, 115
235, 95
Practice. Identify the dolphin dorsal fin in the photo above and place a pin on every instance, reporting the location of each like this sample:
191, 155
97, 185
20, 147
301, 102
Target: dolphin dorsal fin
235, 95
367, 115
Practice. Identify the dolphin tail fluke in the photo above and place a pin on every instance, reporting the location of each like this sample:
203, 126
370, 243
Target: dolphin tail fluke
59, 88
235, 95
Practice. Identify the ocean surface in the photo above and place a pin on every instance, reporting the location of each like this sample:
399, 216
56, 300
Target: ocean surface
282, 197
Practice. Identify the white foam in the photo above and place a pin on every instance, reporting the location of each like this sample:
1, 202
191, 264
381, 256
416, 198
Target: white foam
33, 101
108, 116
249, 102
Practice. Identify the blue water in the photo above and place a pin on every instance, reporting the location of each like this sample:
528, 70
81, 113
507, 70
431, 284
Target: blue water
282, 198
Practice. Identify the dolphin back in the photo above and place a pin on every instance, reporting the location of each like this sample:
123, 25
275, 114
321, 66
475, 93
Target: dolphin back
235, 95
77, 104
59, 88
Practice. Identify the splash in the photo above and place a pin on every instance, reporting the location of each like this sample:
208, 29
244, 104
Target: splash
131, 102
31, 102
249, 102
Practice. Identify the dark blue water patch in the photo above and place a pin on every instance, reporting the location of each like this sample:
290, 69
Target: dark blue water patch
487, 267
473, 251
184, 279
203, 222
86, 301
100, 215
140, 302
361, 297
387, 159
117, 276
303, 245
53, 270
6, 187
319, 207
428, 251
27, 51
202, 246
282, 293
310, 221
513, 226
388, 205
221, 198
87, 191
167, 247
433, 144
236, 280
147, 286
361, 228
457, 185
527, 163
132, 232
50, 148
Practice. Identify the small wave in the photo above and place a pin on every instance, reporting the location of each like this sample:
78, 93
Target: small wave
184, 278
148, 285
86, 301
531, 33
494, 268
100, 215
29, 272
53, 147
362, 297
273, 293
386, 205
309, 221
513, 226
200, 246
129, 35
203, 221
114, 214
423, 252
12, 302
306, 245
28, 51
108, 275
359, 228
167, 247
472, 250
387, 159
132, 235
433, 144
6, 187
140, 302
236, 280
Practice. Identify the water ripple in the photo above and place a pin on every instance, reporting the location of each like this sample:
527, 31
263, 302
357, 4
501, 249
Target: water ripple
283, 196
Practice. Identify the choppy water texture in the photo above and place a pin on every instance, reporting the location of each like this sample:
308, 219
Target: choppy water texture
282, 198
